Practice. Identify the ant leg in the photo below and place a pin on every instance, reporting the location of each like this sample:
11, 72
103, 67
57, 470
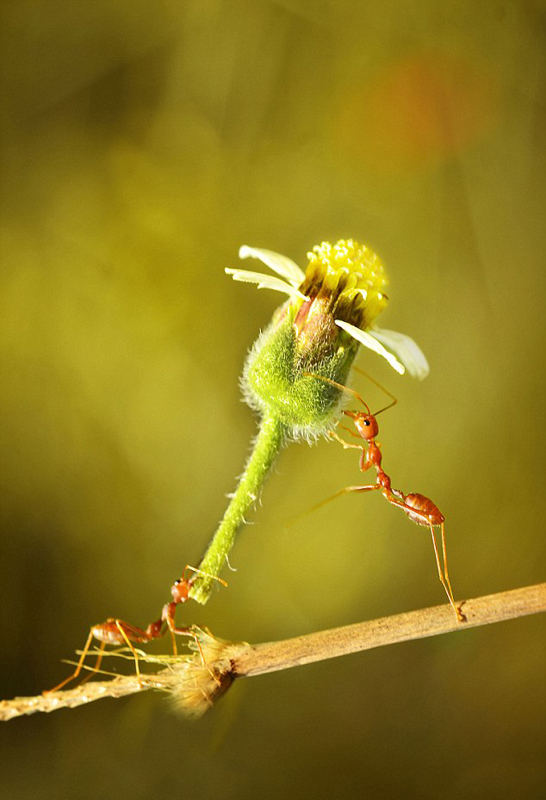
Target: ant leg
446, 585
368, 488
120, 626
188, 631
460, 616
322, 503
195, 638
78, 667
444, 558
167, 615
379, 386
339, 386
98, 662
203, 574
350, 431
389, 495
346, 445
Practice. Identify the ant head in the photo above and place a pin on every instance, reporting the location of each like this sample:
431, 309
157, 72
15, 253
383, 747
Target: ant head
180, 590
366, 424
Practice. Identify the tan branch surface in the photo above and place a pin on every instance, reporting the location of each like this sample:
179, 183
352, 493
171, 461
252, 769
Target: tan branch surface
196, 686
274, 656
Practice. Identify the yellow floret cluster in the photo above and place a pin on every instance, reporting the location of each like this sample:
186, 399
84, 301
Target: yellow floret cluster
364, 277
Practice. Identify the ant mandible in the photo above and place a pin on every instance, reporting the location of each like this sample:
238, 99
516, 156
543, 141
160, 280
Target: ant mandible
117, 632
419, 508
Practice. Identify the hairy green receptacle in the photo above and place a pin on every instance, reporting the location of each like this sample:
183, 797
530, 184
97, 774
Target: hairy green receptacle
278, 378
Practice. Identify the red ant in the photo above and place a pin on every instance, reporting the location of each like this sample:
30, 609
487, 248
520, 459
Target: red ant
419, 509
116, 631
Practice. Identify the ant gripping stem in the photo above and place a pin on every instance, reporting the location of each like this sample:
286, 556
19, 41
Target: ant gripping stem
180, 591
117, 632
419, 508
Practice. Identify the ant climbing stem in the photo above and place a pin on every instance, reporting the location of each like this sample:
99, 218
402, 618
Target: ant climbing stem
419, 508
117, 632
180, 592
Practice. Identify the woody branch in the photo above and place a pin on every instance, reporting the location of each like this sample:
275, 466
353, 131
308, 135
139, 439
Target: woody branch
230, 660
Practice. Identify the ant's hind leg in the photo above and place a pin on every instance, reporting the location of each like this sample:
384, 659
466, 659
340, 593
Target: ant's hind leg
445, 582
98, 662
460, 616
78, 667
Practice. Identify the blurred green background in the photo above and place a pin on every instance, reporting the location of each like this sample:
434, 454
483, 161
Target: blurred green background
143, 142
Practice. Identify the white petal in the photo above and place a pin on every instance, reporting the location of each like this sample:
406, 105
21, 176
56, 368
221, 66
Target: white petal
280, 264
368, 341
409, 353
264, 281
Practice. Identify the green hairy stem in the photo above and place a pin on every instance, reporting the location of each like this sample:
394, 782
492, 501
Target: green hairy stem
266, 447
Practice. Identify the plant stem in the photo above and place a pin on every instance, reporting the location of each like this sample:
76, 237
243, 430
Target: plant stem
267, 444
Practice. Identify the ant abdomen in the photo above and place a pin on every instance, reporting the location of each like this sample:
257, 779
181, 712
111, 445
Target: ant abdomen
427, 512
108, 632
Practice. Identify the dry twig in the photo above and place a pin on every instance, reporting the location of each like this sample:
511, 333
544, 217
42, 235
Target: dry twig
195, 689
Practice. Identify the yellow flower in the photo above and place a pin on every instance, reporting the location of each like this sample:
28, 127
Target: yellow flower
344, 283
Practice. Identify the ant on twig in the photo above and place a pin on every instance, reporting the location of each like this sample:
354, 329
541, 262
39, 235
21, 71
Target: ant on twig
419, 508
116, 631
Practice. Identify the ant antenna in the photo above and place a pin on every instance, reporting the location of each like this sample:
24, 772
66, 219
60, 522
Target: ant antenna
338, 386
379, 386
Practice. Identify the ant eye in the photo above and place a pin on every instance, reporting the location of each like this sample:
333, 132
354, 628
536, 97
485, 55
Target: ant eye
367, 422
178, 581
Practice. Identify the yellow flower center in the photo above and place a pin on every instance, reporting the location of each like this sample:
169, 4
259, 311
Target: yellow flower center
350, 277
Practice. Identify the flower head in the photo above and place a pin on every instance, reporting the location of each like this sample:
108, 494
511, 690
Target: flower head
331, 309
344, 284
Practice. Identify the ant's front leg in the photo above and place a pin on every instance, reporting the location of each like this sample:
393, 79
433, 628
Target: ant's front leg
187, 630
369, 457
346, 445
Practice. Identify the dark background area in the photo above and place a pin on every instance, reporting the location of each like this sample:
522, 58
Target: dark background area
142, 144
